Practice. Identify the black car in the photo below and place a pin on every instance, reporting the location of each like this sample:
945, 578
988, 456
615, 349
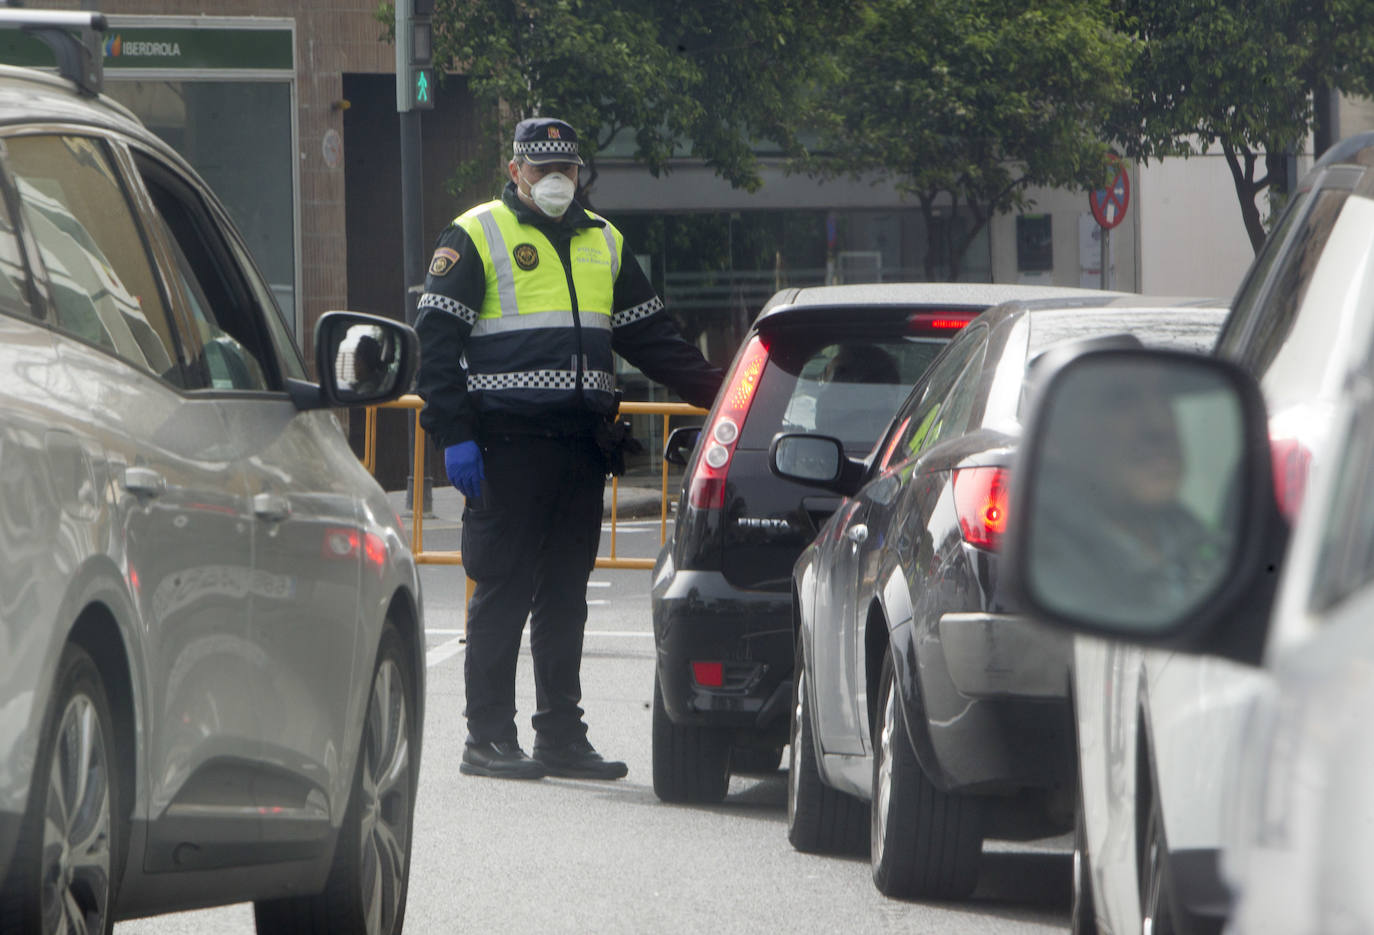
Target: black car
925, 717
836, 360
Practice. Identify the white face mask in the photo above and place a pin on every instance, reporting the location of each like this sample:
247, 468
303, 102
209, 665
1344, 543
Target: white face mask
553, 193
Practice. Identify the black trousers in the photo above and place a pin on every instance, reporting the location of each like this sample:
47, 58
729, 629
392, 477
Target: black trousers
529, 546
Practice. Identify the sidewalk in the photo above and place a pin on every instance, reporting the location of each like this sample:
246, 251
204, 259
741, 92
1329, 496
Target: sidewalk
633, 503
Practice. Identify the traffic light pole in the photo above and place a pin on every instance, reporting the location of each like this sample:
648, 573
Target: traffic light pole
412, 50
413, 263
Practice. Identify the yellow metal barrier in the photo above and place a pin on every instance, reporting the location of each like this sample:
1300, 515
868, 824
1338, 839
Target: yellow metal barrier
412, 402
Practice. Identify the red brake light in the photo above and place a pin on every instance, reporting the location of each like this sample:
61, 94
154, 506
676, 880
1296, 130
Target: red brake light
980, 499
707, 490
939, 321
1291, 463
375, 549
709, 674
342, 543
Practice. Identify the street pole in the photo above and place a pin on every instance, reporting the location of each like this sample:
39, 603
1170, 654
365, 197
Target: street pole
412, 201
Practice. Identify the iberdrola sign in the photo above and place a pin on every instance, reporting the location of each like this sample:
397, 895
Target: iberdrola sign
156, 47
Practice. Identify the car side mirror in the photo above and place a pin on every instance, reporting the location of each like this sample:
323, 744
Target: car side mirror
1142, 503
361, 360
680, 443
814, 460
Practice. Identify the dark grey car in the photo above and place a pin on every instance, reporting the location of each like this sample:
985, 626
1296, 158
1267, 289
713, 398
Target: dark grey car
211, 662
919, 703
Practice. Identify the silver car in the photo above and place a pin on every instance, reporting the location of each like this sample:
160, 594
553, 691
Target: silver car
211, 660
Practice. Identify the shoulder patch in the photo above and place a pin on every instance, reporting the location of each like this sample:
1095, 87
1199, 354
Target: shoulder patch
526, 256
443, 261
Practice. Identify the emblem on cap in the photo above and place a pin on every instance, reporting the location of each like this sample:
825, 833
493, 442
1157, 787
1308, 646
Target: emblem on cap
526, 256
443, 261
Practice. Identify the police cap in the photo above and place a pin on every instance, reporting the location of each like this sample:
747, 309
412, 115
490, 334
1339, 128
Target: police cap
542, 140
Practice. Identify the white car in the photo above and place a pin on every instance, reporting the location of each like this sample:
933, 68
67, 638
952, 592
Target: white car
1154, 726
1232, 582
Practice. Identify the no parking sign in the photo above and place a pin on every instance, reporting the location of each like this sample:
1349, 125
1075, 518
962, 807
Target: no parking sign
1109, 204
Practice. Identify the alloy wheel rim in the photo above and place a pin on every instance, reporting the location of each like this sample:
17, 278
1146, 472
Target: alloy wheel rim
794, 751
385, 819
77, 820
883, 793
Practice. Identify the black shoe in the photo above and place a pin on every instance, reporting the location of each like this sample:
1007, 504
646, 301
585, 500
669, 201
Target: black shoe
578, 760
501, 758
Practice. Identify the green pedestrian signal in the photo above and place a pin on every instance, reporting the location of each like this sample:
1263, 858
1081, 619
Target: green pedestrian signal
423, 97
414, 55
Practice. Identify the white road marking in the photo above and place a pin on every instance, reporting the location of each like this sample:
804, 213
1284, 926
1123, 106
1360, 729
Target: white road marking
445, 652
598, 584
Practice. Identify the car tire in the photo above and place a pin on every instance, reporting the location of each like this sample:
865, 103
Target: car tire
1082, 912
924, 843
367, 886
63, 875
755, 761
691, 764
820, 819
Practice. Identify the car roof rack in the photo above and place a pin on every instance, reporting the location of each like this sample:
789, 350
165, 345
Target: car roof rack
76, 60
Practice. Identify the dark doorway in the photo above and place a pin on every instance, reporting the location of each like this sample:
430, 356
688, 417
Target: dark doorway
372, 179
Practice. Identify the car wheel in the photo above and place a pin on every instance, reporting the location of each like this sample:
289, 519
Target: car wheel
755, 761
819, 819
1082, 915
63, 875
924, 842
366, 891
691, 764
1156, 893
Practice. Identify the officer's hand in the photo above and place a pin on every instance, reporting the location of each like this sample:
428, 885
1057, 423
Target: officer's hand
463, 464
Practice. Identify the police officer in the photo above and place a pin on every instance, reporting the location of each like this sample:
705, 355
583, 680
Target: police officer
525, 300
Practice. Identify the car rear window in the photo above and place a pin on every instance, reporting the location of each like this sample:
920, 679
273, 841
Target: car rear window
833, 384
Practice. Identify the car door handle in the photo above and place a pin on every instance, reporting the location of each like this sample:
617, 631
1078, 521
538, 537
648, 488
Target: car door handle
858, 533
271, 506
144, 482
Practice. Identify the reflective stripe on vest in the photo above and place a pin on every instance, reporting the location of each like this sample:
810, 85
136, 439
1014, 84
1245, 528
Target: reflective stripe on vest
595, 380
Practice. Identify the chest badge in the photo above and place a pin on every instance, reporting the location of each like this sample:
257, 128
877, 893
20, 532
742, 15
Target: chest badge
526, 256
443, 261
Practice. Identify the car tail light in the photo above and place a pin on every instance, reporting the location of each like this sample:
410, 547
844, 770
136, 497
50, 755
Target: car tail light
980, 499
341, 543
939, 321
707, 490
709, 674
1291, 463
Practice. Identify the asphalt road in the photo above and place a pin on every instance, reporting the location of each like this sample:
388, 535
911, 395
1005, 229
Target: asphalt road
568, 856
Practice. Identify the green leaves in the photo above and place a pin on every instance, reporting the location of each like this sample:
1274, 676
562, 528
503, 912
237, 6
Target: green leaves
714, 79
973, 101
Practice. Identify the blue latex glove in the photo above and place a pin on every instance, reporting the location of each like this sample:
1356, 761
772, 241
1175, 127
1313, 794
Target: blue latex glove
463, 464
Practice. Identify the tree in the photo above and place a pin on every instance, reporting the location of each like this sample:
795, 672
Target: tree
969, 103
1239, 74
711, 79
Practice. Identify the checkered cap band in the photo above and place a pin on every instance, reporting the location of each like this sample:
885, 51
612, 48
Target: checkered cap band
549, 150
444, 304
642, 310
